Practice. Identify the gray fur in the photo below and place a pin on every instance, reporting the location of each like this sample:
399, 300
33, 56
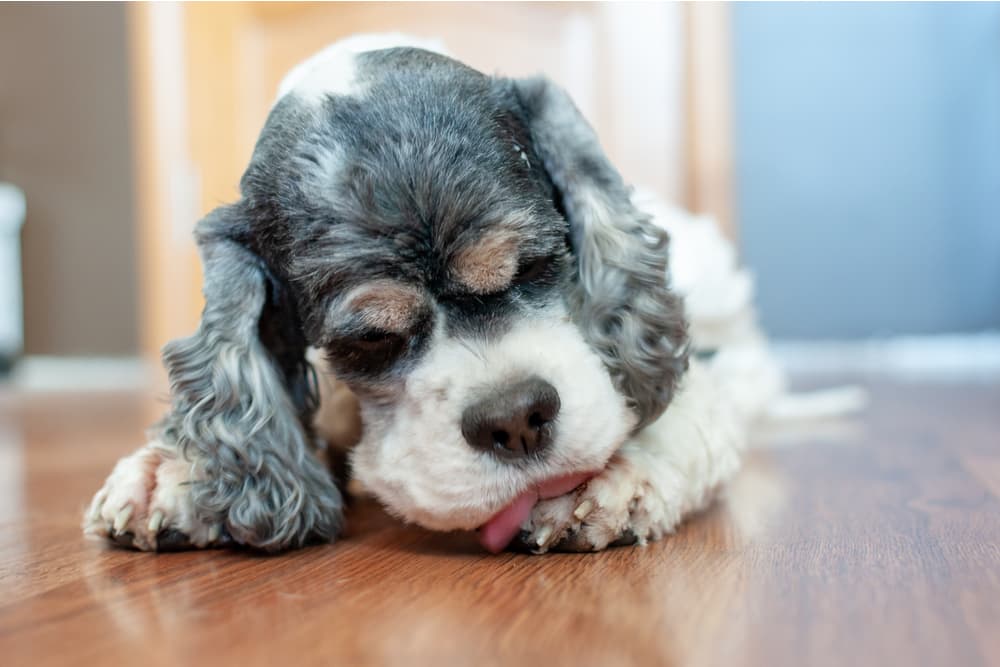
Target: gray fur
232, 410
622, 299
390, 185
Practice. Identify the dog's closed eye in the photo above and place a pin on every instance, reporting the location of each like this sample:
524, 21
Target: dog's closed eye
367, 352
376, 340
532, 269
373, 326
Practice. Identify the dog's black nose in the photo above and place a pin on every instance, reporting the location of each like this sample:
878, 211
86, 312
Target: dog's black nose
514, 422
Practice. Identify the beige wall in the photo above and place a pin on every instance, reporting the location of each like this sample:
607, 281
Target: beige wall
64, 139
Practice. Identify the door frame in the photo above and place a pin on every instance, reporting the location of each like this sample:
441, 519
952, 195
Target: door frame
187, 146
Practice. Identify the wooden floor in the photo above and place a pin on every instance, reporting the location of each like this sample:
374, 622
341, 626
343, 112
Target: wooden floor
867, 542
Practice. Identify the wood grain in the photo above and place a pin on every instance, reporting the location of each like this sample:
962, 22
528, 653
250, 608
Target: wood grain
866, 543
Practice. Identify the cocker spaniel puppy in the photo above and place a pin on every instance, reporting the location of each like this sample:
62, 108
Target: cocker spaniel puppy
483, 288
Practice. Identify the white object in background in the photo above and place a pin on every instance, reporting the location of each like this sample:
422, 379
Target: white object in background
12, 209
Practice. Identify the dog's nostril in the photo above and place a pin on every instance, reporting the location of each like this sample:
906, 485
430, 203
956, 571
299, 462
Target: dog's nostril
514, 422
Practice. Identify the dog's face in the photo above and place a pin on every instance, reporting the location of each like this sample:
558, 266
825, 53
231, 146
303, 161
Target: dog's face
470, 264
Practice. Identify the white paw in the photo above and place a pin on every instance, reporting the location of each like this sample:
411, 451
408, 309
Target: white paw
146, 503
618, 506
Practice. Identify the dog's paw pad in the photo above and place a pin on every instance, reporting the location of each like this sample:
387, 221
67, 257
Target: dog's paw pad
146, 504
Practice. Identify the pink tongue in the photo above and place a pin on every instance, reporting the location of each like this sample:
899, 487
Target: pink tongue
497, 533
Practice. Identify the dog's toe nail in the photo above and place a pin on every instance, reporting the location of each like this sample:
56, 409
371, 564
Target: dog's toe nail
543, 534
121, 519
98, 505
583, 509
214, 532
155, 521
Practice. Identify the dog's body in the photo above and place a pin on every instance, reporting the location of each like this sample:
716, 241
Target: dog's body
483, 288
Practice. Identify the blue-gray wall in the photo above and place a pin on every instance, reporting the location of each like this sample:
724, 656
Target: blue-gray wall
868, 165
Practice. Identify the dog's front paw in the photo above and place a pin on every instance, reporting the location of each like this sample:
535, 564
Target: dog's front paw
146, 503
617, 507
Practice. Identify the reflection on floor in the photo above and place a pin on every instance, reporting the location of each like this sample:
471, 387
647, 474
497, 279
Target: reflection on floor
869, 541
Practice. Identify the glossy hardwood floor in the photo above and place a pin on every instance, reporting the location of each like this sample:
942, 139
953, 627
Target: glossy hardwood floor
873, 541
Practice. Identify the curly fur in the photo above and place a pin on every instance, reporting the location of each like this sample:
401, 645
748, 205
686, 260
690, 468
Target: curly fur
387, 168
622, 299
241, 409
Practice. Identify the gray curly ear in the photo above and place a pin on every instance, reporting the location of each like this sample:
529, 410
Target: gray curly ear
621, 299
242, 398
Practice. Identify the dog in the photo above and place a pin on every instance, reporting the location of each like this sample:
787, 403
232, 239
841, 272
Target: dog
451, 261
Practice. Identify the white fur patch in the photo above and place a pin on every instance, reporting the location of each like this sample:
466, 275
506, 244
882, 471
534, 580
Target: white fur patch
332, 71
416, 460
719, 302
149, 491
671, 468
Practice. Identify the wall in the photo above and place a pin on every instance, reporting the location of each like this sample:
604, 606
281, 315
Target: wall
868, 165
64, 139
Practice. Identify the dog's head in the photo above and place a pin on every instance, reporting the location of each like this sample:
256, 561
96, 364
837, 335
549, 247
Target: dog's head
471, 264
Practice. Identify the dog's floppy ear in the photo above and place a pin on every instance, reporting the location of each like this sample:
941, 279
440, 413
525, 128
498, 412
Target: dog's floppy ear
621, 300
242, 396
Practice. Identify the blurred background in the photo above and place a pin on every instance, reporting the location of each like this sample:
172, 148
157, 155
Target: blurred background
851, 150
